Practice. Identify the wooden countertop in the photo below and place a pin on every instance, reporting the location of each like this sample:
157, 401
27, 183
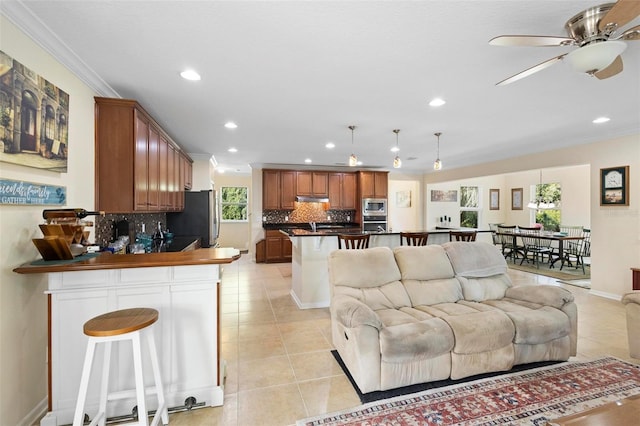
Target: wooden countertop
203, 256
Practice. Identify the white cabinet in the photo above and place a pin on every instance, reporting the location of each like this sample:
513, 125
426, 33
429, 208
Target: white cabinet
186, 334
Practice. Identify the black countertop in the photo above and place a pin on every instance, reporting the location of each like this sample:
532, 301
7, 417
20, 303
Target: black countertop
294, 232
307, 226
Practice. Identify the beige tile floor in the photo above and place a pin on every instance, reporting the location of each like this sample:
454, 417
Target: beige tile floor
279, 365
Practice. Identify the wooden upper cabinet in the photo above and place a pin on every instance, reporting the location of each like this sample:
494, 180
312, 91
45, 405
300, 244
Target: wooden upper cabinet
342, 190
287, 189
312, 184
187, 172
131, 160
373, 184
270, 189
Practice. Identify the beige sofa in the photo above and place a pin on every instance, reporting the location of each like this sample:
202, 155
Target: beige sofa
420, 314
632, 306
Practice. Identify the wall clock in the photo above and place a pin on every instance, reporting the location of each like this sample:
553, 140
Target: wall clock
614, 186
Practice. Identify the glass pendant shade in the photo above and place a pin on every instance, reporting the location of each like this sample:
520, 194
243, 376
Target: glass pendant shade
397, 162
437, 165
595, 57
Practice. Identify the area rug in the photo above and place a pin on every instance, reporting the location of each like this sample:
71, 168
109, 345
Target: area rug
531, 397
419, 387
567, 273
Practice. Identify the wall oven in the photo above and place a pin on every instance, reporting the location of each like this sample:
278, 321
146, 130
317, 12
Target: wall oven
374, 214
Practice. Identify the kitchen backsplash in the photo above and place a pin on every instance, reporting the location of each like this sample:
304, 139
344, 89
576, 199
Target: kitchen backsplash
306, 215
104, 227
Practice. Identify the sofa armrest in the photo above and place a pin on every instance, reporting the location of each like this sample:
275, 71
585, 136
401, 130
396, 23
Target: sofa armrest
547, 295
352, 313
633, 297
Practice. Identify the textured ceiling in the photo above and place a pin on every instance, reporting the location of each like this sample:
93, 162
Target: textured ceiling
293, 75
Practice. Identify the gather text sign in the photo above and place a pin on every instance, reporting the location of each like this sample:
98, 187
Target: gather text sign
30, 193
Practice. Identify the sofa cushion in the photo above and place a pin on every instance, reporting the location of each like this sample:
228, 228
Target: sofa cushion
423, 262
481, 331
445, 309
387, 296
539, 325
363, 268
487, 288
432, 292
475, 259
418, 340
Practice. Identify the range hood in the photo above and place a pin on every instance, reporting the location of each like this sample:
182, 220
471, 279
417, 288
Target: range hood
302, 199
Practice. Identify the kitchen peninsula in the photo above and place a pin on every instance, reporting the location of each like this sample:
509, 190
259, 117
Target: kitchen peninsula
185, 289
310, 251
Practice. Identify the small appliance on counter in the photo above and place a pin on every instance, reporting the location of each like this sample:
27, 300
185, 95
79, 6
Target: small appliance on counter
200, 217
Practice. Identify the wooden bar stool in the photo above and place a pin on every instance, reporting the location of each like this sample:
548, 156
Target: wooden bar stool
122, 325
414, 238
353, 241
462, 235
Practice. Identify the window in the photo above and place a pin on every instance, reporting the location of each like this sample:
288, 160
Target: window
233, 202
550, 219
469, 206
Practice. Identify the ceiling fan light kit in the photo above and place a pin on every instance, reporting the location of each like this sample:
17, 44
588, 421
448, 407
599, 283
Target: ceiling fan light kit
593, 31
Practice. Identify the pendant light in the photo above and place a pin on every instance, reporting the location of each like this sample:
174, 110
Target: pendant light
540, 203
397, 162
437, 165
353, 160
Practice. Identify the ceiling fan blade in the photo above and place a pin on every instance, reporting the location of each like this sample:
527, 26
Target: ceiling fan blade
623, 12
611, 70
630, 34
532, 70
531, 40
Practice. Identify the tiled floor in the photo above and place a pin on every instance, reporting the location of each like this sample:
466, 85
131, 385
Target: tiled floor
279, 364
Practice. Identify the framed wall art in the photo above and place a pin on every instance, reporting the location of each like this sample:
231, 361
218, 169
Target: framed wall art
516, 198
438, 195
494, 199
614, 186
403, 199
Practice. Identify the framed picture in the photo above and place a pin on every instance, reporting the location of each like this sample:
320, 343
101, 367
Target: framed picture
614, 186
516, 198
444, 196
494, 199
403, 199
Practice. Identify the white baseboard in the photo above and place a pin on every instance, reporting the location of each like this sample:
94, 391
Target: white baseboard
606, 295
34, 416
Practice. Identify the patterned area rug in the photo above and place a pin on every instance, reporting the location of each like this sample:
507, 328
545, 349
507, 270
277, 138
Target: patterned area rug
532, 397
567, 273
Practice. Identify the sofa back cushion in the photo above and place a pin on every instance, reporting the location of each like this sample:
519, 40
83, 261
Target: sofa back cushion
427, 275
371, 276
481, 269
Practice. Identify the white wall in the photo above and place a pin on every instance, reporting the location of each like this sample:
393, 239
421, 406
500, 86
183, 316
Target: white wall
405, 218
23, 305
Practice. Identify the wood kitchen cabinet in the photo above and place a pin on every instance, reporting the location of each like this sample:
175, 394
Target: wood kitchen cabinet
278, 189
373, 184
312, 184
342, 191
277, 247
137, 164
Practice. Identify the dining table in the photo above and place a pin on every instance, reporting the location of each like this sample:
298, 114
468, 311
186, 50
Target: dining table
544, 235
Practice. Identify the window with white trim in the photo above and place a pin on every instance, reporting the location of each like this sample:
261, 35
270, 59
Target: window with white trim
234, 203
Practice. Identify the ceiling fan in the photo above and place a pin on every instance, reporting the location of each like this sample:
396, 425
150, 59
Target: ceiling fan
594, 31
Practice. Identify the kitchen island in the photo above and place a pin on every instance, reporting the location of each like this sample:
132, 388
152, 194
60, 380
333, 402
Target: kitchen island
184, 287
310, 251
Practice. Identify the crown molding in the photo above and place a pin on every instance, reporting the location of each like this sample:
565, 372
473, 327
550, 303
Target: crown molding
22, 17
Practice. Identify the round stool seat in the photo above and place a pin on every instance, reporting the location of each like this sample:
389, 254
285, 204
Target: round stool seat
120, 322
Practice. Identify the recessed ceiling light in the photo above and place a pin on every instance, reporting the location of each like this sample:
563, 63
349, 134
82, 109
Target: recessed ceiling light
190, 75
232, 150
307, 160
395, 149
230, 125
330, 145
601, 120
436, 102
359, 163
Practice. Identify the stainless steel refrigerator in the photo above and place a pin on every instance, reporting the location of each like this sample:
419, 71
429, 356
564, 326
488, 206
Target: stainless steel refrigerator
200, 217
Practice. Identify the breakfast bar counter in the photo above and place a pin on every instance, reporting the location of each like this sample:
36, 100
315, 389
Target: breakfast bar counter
184, 287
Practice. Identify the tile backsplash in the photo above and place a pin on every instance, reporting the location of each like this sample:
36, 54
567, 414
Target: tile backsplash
105, 226
306, 214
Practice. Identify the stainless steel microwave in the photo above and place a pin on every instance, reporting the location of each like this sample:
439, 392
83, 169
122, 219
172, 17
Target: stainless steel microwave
374, 206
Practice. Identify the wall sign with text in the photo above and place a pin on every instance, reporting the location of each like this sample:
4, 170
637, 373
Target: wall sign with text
19, 192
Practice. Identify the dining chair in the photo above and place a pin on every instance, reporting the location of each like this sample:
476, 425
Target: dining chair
577, 251
353, 241
533, 246
495, 238
508, 244
414, 238
462, 235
